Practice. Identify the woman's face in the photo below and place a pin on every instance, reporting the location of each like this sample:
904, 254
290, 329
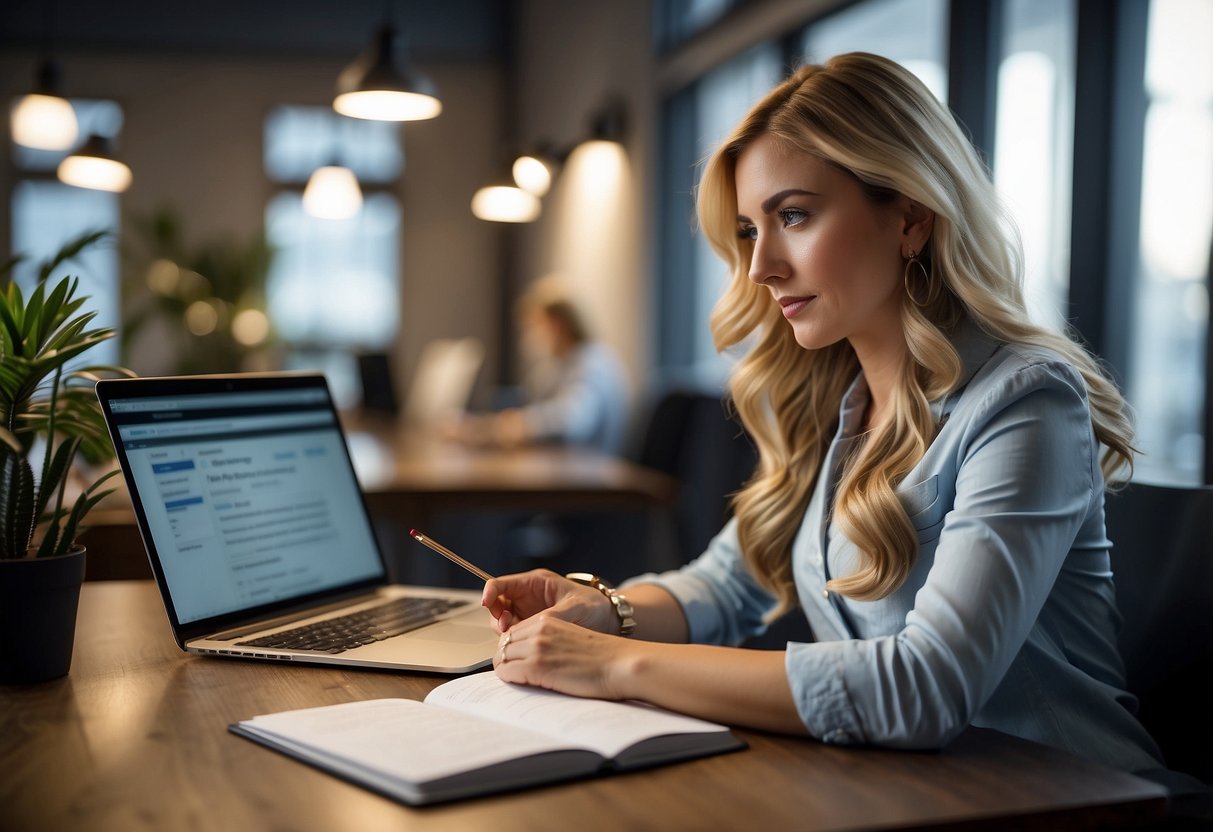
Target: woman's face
831, 258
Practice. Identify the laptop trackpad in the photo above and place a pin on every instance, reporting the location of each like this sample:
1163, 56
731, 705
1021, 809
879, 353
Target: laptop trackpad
454, 633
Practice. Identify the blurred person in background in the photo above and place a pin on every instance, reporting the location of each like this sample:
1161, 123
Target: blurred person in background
574, 388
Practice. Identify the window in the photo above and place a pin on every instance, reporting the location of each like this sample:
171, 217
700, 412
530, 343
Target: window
1034, 144
46, 214
911, 32
1166, 373
722, 98
676, 21
333, 288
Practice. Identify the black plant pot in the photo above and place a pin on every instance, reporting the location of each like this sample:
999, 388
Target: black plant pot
38, 599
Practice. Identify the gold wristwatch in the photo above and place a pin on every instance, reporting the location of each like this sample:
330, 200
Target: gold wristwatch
622, 608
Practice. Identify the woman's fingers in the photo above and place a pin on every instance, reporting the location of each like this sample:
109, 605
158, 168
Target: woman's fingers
526, 593
548, 652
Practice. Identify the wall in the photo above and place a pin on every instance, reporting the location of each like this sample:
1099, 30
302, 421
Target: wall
193, 138
571, 58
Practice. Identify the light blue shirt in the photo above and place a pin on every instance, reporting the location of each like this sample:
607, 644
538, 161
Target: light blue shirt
1008, 618
584, 401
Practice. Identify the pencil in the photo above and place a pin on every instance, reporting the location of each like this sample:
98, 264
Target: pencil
449, 555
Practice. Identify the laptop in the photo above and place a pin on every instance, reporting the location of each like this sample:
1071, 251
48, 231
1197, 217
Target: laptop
258, 534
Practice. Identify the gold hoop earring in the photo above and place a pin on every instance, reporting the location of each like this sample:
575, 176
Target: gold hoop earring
932, 289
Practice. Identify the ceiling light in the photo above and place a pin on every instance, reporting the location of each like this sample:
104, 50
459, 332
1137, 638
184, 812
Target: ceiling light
332, 193
505, 203
375, 87
44, 120
94, 166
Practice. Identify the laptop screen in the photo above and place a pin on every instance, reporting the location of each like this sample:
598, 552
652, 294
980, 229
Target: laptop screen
248, 495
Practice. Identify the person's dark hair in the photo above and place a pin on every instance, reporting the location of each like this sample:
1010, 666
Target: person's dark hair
566, 315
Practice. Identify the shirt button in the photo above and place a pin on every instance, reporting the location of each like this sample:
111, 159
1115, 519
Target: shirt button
825, 593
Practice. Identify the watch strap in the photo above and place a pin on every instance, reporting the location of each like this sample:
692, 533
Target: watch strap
619, 602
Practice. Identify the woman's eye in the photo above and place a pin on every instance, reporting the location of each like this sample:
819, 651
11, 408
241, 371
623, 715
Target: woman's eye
793, 216
747, 232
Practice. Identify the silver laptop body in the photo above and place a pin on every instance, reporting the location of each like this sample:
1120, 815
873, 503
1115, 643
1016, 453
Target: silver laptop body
256, 528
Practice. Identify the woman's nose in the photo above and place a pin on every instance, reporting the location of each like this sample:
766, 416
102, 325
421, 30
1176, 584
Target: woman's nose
766, 263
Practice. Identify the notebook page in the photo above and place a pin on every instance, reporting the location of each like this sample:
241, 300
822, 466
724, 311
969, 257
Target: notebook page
605, 727
403, 738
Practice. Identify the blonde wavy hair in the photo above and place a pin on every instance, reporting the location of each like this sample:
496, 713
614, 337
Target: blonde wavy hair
875, 120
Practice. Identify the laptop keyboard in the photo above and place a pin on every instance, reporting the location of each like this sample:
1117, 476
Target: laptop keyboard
336, 635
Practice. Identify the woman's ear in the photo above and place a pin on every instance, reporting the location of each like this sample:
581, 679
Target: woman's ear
917, 223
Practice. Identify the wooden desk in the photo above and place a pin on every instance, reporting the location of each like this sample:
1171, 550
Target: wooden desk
136, 738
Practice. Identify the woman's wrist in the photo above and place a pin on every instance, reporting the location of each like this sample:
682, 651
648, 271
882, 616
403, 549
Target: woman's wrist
616, 613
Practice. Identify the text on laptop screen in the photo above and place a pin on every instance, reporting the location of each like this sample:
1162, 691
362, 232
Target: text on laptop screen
249, 497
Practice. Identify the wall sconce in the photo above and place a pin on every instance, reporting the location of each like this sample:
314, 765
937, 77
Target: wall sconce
504, 201
518, 201
374, 86
43, 119
94, 166
332, 193
534, 171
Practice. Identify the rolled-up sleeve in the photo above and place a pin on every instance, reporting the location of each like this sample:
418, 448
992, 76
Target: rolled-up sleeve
1026, 475
721, 600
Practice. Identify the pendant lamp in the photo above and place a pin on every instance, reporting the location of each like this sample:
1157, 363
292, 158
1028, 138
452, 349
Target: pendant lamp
505, 202
43, 119
94, 166
374, 86
332, 193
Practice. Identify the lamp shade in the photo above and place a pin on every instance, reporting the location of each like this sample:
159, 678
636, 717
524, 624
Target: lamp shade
94, 166
332, 193
374, 86
44, 122
533, 174
43, 119
505, 203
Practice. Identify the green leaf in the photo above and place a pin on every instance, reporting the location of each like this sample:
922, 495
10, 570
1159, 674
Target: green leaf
16, 506
55, 473
9, 322
84, 504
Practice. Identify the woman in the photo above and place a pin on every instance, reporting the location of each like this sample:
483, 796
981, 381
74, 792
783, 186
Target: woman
932, 463
576, 390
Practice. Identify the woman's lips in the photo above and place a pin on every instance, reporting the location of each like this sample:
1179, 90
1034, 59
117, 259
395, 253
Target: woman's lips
793, 306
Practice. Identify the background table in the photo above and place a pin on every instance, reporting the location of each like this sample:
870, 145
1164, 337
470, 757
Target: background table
136, 738
412, 479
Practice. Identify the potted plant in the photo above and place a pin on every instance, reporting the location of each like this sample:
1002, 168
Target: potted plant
48, 416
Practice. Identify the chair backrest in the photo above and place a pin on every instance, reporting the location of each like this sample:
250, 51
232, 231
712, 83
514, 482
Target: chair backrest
690, 437
1162, 560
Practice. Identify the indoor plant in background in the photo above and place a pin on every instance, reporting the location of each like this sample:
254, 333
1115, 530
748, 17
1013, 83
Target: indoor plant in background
48, 416
201, 304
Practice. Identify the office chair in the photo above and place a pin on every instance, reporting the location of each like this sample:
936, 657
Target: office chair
1162, 560
690, 437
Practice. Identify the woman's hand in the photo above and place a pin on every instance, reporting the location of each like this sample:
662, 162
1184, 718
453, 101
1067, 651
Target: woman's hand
514, 598
549, 652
